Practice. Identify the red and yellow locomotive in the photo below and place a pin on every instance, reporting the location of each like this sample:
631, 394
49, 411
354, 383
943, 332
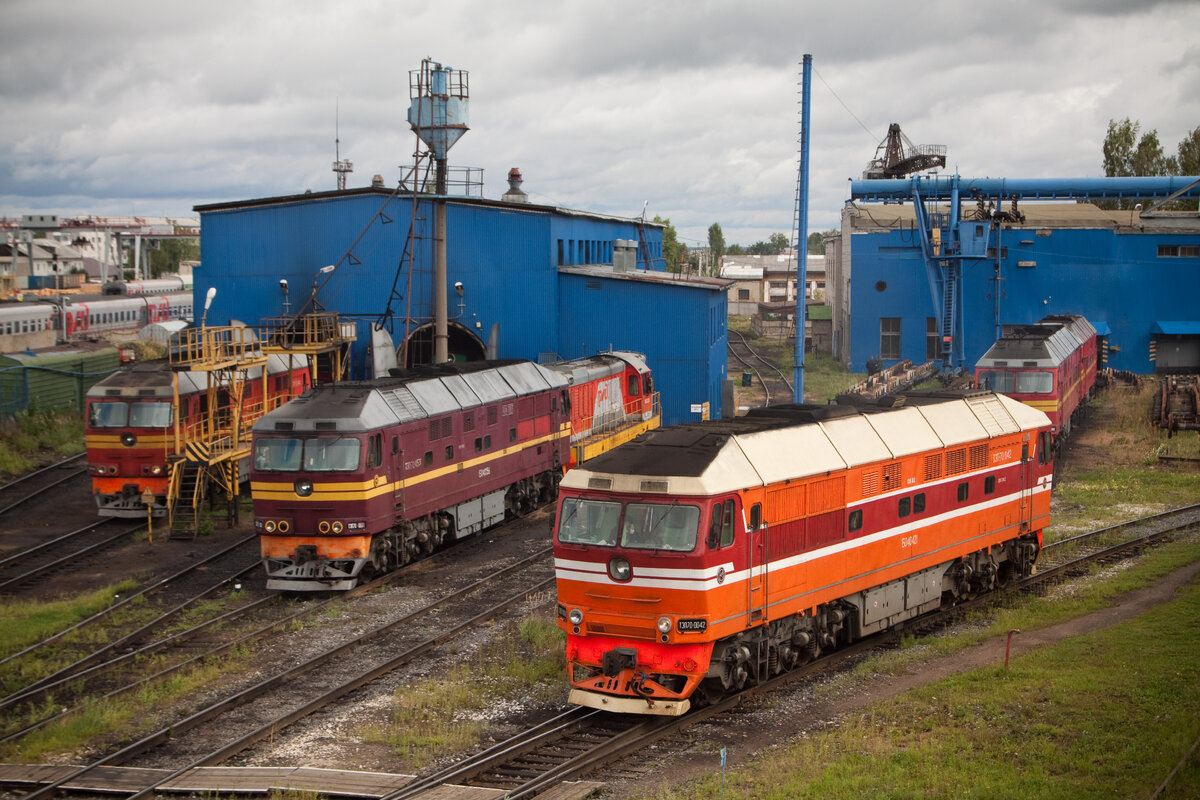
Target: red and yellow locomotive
703, 557
1050, 365
370, 475
137, 418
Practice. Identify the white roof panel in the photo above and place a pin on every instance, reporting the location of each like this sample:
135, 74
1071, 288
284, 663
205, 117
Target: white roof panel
953, 422
856, 441
790, 453
904, 431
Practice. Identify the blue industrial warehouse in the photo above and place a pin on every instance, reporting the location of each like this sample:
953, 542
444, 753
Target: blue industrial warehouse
539, 282
929, 268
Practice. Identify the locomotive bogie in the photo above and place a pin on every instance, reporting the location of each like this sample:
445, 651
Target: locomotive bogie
799, 536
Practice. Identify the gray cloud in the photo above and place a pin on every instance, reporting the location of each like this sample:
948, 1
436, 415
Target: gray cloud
691, 106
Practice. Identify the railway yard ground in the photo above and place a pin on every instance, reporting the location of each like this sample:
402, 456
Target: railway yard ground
1100, 698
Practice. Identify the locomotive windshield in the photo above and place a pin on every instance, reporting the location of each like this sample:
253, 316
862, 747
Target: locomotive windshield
1007, 382
108, 415
311, 455
149, 415
645, 526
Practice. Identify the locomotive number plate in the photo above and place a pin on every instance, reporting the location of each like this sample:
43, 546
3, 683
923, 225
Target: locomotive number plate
691, 625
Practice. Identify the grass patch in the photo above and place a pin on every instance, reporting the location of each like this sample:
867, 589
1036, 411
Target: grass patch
24, 623
31, 438
120, 718
1108, 714
449, 713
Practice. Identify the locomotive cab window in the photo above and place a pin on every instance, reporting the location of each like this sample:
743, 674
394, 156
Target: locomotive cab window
918, 503
374, 450
657, 526
149, 415
108, 415
756, 516
634, 386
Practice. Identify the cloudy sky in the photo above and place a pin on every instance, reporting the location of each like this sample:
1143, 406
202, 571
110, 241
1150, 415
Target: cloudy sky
690, 106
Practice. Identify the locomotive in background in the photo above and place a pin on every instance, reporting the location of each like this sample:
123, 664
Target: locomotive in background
362, 477
1050, 365
701, 558
137, 418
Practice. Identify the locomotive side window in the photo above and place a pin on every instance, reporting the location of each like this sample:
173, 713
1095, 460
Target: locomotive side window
919, 503
720, 529
449, 452
395, 445
634, 386
989, 484
755, 516
108, 415
963, 491
647, 384
374, 450
905, 507
589, 522
478, 444
512, 434
1044, 447
149, 415
856, 520
428, 458
727, 525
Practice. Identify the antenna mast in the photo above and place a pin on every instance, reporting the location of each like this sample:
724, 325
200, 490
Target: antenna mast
340, 166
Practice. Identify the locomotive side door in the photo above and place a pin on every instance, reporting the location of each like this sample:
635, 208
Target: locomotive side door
1026, 489
756, 605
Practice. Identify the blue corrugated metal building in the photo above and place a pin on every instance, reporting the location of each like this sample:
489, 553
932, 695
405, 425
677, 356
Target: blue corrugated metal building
520, 266
1133, 277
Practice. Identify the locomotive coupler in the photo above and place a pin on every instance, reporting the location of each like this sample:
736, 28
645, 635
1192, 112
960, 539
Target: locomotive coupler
617, 660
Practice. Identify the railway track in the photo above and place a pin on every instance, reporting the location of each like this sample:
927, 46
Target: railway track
770, 382
31, 485
62, 553
579, 741
270, 705
169, 597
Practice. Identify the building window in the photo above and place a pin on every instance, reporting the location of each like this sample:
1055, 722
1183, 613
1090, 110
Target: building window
889, 337
743, 294
932, 351
1179, 251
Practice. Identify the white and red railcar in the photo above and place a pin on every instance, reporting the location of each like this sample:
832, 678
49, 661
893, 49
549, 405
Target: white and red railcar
699, 558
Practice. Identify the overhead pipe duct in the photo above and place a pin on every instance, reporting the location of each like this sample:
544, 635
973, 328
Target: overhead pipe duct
943, 187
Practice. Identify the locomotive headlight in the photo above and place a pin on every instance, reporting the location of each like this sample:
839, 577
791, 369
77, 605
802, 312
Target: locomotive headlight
156, 470
323, 526
336, 527
575, 617
619, 569
304, 488
664, 624
269, 527
128, 439
284, 526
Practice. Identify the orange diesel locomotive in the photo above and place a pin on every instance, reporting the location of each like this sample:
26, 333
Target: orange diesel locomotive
699, 558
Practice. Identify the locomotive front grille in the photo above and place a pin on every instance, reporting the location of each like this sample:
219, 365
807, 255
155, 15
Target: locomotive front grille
625, 631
